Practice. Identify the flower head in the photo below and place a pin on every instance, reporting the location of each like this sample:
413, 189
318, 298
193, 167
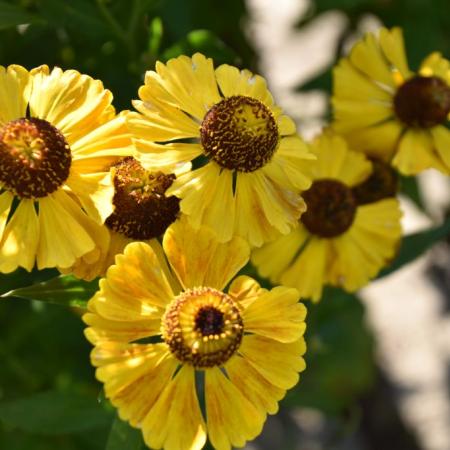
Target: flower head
343, 239
386, 110
142, 212
249, 158
58, 135
167, 335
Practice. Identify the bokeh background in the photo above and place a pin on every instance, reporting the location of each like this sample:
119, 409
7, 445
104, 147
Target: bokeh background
378, 374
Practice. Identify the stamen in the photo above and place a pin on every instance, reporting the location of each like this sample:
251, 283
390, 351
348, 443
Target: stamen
203, 327
331, 208
35, 158
239, 133
142, 211
423, 102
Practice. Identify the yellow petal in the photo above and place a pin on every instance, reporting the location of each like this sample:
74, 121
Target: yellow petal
20, 238
273, 258
441, 138
135, 288
111, 139
367, 246
379, 141
391, 42
153, 155
175, 422
245, 290
72, 102
242, 82
368, 57
14, 92
102, 329
136, 399
307, 272
231, 418
260, 392
336, 161
159, 121
63, 235
277, 315
435, 65
6, 199
277, 362
191, 81
199, 259
95, 192
416, 153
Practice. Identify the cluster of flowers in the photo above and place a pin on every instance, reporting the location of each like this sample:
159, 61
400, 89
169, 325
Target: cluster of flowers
212, 168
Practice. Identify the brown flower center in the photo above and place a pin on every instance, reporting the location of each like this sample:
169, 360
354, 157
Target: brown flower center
382, 183
422, 102
239, 133
203, 327
331, 208
142, 211
35, 158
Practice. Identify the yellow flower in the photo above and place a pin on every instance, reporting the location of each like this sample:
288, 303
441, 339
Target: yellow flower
338, 240
249, 154
58, 132
384, 109
142, 212
161, 333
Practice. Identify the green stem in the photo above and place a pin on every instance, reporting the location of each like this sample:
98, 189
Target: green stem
115, 26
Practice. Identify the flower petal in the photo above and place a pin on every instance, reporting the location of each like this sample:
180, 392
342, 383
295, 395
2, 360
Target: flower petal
199, 259
252, 385
277, 362
64, 237
20, 238
14, 92
175, 421
6, 199
191, 81
231, 418
135, 288
441, 138
276, 314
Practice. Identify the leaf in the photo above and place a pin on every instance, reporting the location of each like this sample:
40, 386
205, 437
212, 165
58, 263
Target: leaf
22, 278
410, 187
13, 15
64, 290
203, 41
123, 436
414, 245
54, 413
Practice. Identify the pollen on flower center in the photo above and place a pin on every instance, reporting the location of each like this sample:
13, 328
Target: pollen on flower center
422, 102
239, 133
35, 158
203, 327
142, 211
382, 183
331, 208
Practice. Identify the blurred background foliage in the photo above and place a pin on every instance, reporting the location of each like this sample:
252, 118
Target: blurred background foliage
49, 398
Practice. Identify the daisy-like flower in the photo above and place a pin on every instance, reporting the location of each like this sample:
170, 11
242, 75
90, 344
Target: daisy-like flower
386, 110
58, 132
142, 212
249, 154
338, 241
168, 340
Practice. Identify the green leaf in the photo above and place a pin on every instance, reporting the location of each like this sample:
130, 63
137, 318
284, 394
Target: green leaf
64, 290
123, 436
410, 187
21, 278
54, 413
203, 41
155, 36
12, 15
415, 245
